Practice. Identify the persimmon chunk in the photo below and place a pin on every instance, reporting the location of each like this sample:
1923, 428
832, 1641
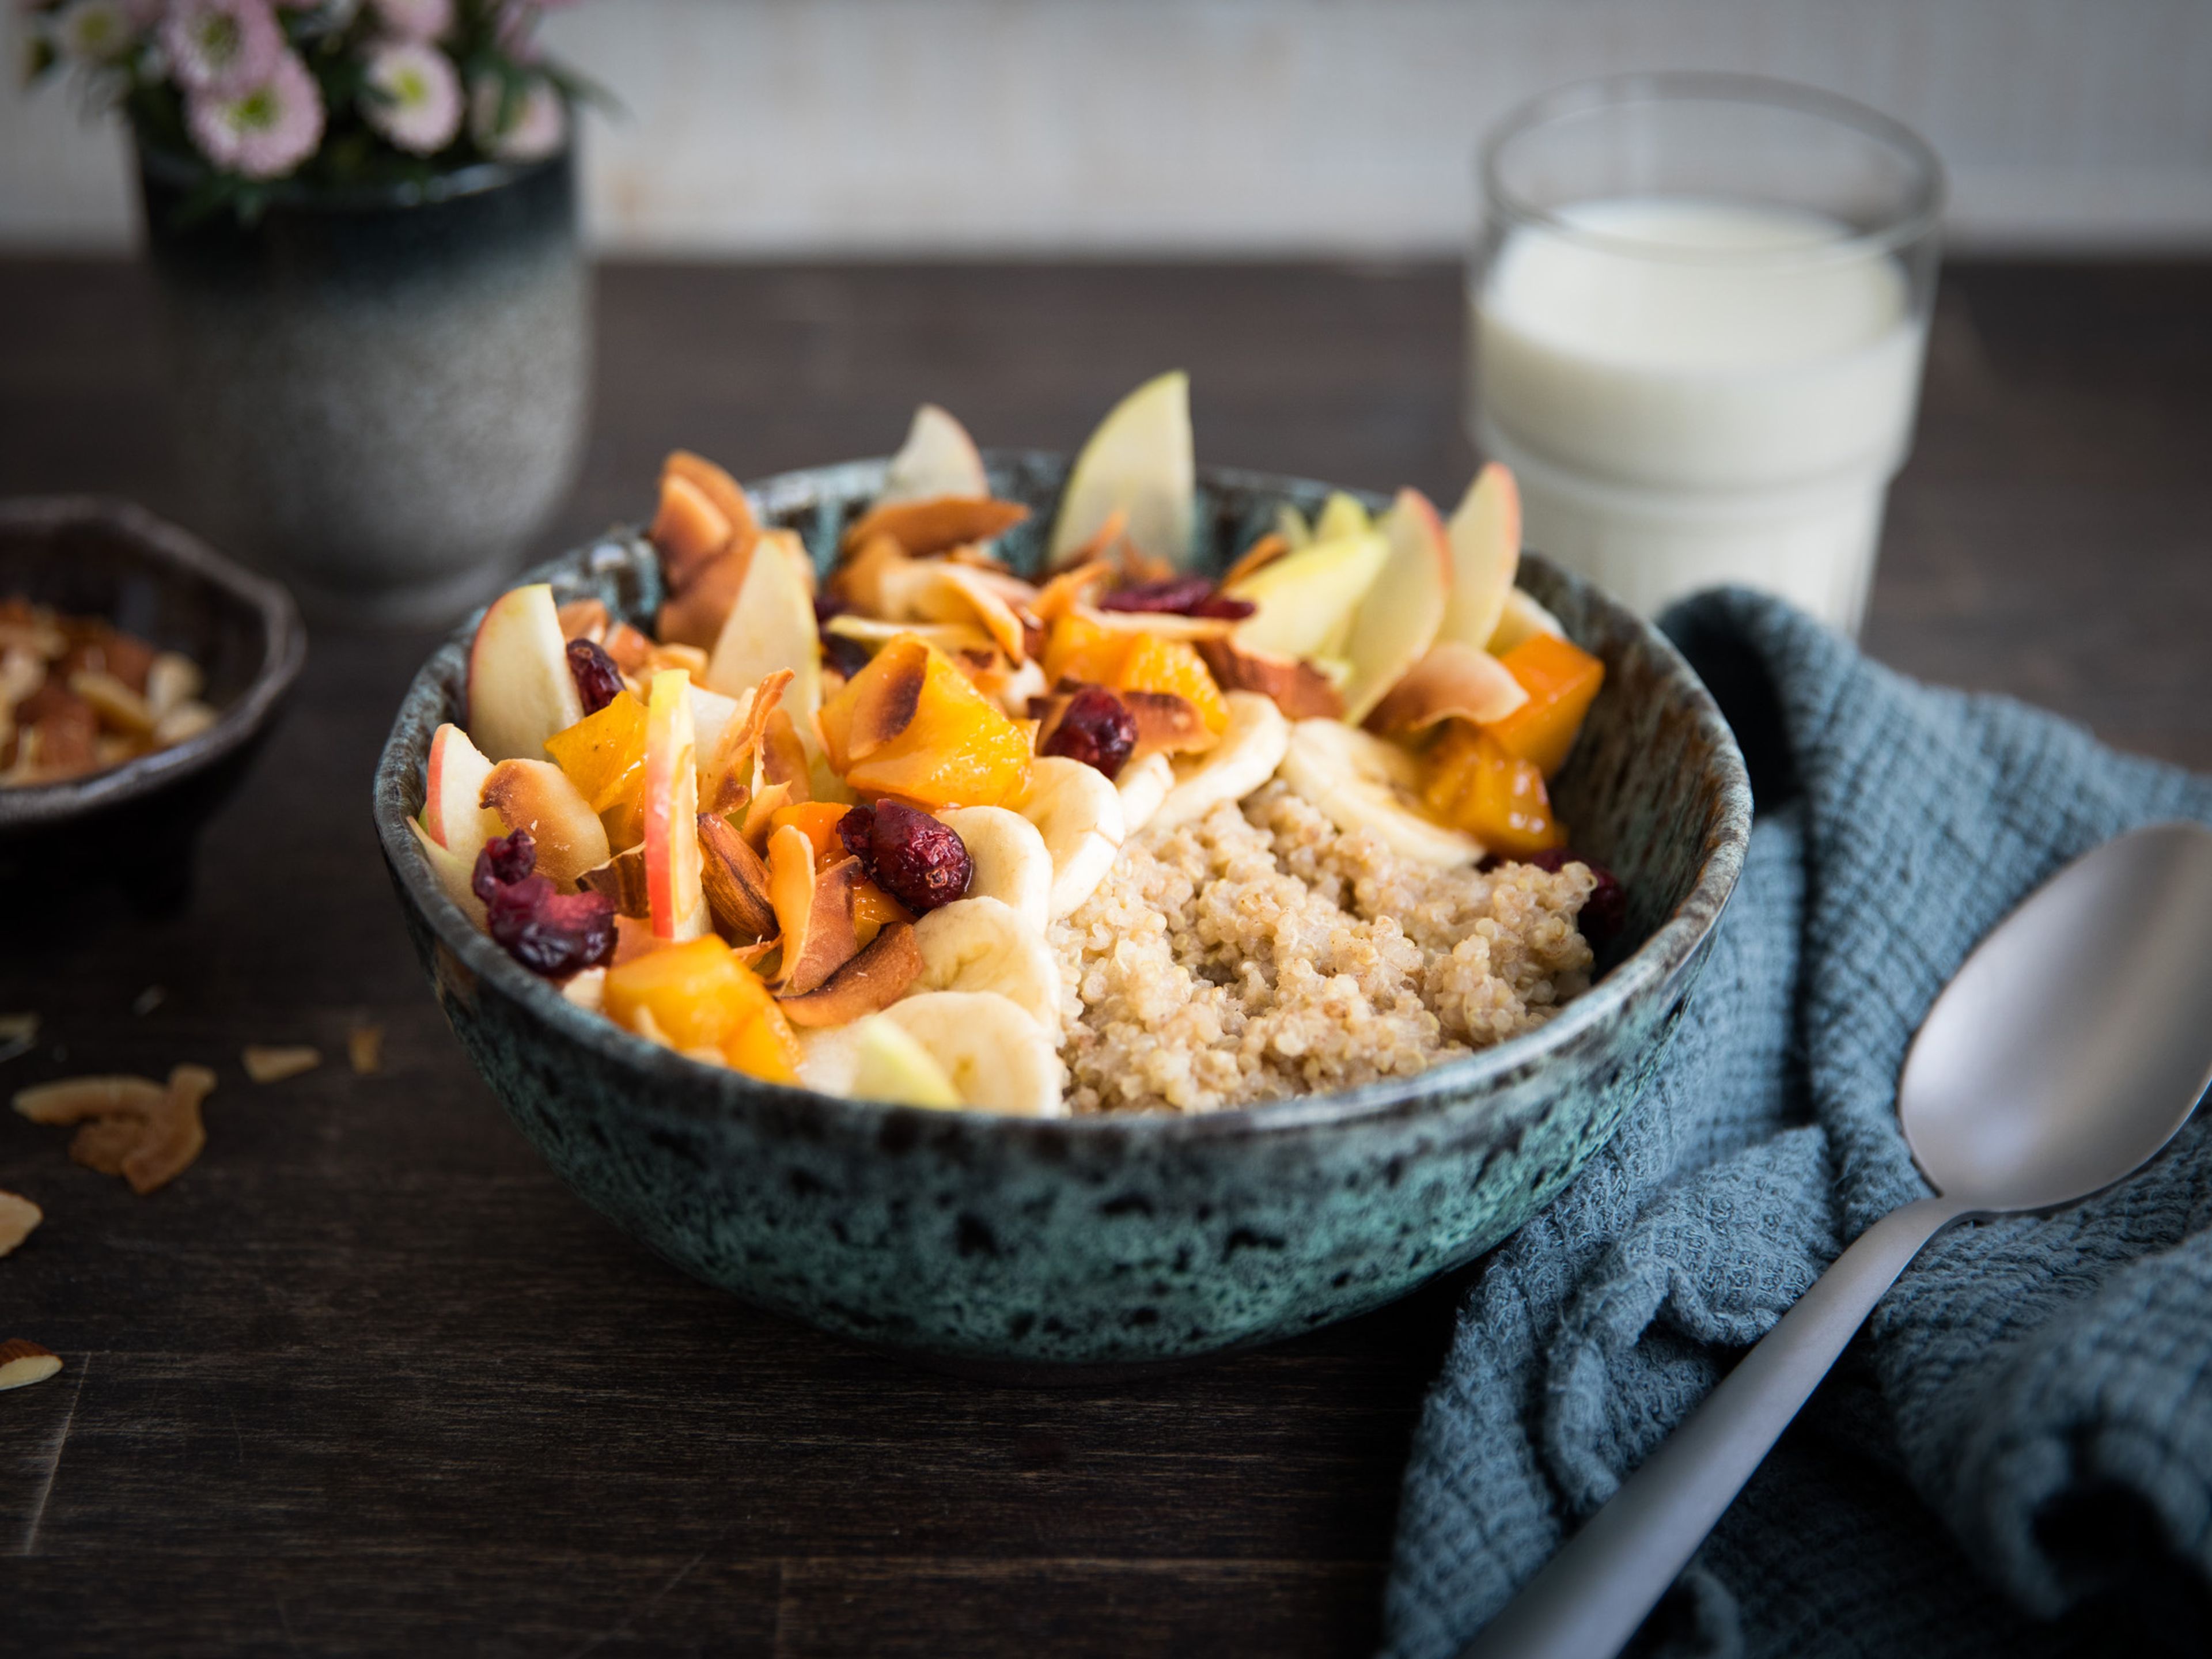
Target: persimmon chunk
1081, 649
701, 996
817, 821
603, 754
1561, 680
1474, 784
945, 744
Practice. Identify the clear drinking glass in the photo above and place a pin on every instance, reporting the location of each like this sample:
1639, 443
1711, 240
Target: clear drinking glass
1697, 308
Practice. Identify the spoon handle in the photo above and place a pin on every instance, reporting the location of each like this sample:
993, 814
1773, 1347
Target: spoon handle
1591, 1596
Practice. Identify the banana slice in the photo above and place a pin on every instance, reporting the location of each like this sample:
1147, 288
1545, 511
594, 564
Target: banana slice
1077, 811
1011, 864
1143, 785
1250, 749
874, 1059
995, 1056
1363, 782
983, 945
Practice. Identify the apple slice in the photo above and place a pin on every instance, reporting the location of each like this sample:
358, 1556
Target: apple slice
938, 458
1341, 514
1522, 617
453, 871
1485, 546
521, 690
672, 890
1397, 621
771, 627
1307, 598
538, 796
711, 714
451, 802
1138, 461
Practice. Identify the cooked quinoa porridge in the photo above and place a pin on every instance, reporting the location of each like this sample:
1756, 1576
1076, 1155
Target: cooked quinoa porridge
1260, 952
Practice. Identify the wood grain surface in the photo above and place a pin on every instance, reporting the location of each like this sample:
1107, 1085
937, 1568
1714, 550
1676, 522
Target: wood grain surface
367, 1379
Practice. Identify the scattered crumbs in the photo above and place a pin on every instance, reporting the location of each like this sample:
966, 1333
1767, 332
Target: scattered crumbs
19, 1035
23, 1363
18, 1215
147, 1000
365, 1049
273, 1065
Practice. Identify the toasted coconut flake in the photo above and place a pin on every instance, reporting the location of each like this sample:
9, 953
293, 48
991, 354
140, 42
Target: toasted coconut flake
630, 650
768, 799
719, 487
23, 1362
1167, 724
957, 594
365, 1049
688, 530
579, 619
18, 1216
869, 983
1301, 691
783, 758
813, 910
102, 1144
885, 700
1071, 588
72, 1100
1168, 624
729, 770
1452, 679
947, 637
933, 525
622, 878
268, 1063
1257, 557
736, 881
174, 1138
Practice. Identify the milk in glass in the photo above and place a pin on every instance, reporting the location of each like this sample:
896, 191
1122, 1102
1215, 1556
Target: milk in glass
1696, 391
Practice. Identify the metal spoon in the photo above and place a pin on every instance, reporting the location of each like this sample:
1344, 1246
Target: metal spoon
2069, 1047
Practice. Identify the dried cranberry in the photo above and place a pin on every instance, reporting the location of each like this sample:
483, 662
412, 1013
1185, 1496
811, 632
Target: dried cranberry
1096, 728
1605, 913
918, 860
848, 657
1222, 606
855, 829
1174, 596
505, 860
547, 932
598, 679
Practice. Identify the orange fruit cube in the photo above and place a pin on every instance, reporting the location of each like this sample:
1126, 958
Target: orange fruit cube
1154, 664
958, 748
1079, 649
1496, 797
766, 1048
1561, 679
817, 821
603, 754
701, 996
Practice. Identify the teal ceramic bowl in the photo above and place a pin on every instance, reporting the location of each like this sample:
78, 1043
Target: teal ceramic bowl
1044, 1249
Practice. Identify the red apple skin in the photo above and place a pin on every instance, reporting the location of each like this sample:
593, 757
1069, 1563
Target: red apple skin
674, 895
521, 691
455, 784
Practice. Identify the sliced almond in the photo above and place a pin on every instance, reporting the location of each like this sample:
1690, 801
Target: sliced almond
1297, 687
18, 1216
174, 1138
116, 704
273, 1063
23, 1362
736, 881
932, 526
365, 1049
102, 1144
187, 720
622, 879
1167, 724
694, 616
869, 983
1451, 680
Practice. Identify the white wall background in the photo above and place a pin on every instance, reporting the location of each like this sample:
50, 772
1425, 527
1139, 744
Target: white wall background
1225, 126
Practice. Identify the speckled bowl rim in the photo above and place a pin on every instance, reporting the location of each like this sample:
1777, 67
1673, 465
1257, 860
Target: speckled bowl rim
1645, 973
185, 557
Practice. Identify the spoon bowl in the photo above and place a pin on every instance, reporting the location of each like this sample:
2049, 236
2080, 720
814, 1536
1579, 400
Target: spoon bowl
2078, 1036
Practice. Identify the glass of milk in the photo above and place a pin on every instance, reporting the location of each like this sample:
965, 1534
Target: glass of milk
1699, 305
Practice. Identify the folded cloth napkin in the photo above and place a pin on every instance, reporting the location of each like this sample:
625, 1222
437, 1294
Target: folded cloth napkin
2015, 1455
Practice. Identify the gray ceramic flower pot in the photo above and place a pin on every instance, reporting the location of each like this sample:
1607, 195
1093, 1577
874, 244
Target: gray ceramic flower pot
380, 394
1048, 1248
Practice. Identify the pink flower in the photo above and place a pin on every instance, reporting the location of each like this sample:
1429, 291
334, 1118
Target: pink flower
536, 122
415, 20
226, 47
94, 31
413, 96
265, 131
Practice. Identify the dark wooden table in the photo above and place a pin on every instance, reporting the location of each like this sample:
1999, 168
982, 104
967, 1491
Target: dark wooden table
367, 1378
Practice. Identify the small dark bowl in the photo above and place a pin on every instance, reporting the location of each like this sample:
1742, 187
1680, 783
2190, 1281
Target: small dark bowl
1049, 1250
137, 824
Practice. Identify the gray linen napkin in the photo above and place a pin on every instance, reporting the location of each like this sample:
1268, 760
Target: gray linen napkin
2015, 1455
